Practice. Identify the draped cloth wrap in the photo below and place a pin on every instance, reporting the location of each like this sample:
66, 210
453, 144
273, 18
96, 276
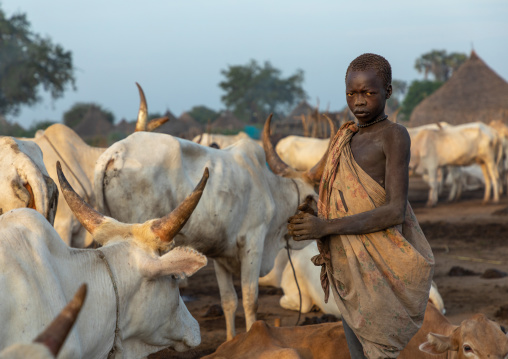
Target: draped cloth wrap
380, 281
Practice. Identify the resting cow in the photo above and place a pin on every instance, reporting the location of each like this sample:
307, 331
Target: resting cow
242, 222
60, 143
47, 345
24, 179
308, 276
475, 338
133, 306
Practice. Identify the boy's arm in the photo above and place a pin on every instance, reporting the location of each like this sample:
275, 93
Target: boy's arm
396, 146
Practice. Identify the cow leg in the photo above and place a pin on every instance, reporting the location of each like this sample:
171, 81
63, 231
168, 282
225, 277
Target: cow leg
452, 175
488, 183
229, 299
251, 265
434, 188
494, 177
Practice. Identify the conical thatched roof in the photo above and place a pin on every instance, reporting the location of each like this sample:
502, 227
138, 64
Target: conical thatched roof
303, 108
227, 121
125, 127
94, 123
184, 127
473, 93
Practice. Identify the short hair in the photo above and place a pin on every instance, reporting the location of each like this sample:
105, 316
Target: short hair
372, 62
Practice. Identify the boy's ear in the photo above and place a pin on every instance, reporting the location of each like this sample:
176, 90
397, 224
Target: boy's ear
389, 91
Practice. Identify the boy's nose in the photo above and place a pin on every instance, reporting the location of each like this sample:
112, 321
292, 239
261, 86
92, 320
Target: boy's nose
360, 100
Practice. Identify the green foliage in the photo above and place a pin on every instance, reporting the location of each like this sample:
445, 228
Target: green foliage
27, 62
79, 110
203, 114
14, 129
254, 91
439, 63
418, 90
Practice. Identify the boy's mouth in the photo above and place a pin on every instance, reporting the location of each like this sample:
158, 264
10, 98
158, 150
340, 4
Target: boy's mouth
361, 113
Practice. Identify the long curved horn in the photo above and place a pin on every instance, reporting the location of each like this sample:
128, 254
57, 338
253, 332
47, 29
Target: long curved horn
156, 122
143, 111
86, 215
276, 164
315, 173
169, 226
55, 334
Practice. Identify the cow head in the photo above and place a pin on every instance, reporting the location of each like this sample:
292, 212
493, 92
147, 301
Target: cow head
50, 341
25, 181
154, 313
475, 338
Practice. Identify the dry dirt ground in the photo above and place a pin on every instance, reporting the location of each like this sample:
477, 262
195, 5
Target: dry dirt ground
469, 241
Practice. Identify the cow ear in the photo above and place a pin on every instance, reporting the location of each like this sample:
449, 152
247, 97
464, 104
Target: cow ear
180, 262
436, 344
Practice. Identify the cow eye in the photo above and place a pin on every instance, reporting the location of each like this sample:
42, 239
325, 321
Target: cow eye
467, 349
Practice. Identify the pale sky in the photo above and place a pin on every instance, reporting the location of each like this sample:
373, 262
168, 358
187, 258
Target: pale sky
176, 49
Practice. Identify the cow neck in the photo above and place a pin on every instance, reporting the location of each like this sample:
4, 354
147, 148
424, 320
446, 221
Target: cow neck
117, 298
87, 198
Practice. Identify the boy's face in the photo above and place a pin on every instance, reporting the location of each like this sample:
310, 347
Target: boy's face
366, 95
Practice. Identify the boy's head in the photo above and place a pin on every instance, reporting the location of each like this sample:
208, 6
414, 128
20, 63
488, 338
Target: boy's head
374, 62
368, 86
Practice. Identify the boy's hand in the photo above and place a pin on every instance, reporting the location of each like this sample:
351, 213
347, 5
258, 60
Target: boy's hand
304, 226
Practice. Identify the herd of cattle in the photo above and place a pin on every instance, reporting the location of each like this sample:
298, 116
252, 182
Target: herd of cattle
158, 206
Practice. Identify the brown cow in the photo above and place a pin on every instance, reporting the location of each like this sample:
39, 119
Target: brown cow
477, 337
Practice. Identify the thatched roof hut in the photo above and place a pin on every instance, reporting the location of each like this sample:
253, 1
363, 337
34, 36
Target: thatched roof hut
93, 124
125, 127
184, 127
473, 93
227, 121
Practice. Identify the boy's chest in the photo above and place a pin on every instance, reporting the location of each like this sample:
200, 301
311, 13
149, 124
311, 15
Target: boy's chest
368, 153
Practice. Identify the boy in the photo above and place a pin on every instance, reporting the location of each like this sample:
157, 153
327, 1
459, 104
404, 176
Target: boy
374, 256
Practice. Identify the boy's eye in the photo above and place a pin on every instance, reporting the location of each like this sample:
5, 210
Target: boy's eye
368, 93
349, 94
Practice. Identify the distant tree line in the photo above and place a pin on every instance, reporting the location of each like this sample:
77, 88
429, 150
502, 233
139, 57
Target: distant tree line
29, 63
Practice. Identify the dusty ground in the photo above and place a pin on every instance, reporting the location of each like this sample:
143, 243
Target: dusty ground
465, 234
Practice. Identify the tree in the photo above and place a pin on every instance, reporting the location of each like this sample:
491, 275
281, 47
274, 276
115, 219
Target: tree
16, 130
78, 111
417, 92
254, 91
203, 114
439, 63
27, 62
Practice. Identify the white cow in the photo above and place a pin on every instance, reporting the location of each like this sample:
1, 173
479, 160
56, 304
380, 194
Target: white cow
242, 220
502, 132
60, 143
133, 306
223, 141
24, 179
301, 153
47, 345
457, 146
308, 276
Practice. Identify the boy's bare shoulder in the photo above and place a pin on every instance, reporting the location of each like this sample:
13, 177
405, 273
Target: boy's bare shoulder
396, 132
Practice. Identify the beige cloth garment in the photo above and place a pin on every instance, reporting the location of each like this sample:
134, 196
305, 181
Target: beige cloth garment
380, 281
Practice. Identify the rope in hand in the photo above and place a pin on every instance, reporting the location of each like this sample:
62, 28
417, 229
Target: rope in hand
291, 262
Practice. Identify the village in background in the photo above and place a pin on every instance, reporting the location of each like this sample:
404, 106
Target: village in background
471, 91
